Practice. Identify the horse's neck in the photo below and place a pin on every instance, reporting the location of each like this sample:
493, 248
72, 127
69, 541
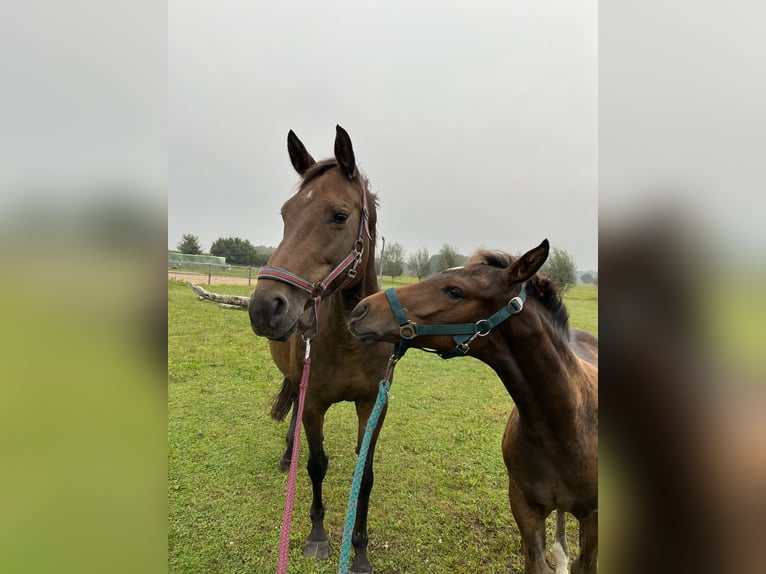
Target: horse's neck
542, 375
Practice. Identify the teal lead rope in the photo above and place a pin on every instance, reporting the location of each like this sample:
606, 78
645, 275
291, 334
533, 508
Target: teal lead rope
356, 482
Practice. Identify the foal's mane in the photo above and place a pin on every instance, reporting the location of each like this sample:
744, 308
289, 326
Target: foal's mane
540, 287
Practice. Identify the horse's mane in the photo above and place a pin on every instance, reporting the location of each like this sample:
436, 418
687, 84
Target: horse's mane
541, 287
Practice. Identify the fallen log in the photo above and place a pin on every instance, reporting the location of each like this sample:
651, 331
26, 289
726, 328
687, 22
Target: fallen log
230, 300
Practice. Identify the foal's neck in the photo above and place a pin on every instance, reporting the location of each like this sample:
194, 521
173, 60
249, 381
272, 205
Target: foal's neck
539, 370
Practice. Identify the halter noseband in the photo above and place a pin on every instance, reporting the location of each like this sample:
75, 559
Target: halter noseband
319, 290
463, 333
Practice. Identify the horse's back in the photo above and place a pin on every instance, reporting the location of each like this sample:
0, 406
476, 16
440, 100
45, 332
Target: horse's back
584, 345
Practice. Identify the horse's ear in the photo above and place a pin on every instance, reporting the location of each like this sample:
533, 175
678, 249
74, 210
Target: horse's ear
344, 152
300, 158
529, 263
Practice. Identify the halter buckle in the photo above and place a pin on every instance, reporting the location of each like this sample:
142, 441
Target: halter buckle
408, 330
515, 305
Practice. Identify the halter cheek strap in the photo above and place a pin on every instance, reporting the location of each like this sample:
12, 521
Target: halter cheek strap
462, 333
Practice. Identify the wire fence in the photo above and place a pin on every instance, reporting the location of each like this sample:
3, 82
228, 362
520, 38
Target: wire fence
211, 270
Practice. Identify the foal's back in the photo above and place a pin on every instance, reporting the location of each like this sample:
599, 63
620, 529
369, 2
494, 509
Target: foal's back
584, 345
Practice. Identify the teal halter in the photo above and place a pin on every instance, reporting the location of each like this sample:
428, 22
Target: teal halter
462, 333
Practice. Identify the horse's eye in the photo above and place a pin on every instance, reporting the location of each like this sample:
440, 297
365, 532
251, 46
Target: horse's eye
340, 217
454, 292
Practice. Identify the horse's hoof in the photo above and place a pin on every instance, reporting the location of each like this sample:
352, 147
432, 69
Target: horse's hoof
364, 568
284, 464
319, 549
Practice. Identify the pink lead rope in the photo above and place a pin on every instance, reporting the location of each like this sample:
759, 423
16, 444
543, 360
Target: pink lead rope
287, 514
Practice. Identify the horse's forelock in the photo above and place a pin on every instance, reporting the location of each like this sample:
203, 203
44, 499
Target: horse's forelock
493, 257
325, 165
318, 169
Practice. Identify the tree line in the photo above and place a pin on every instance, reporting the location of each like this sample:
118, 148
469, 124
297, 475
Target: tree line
392, 261
236, 250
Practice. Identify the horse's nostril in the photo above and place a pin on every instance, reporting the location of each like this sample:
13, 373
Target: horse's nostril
279, 308
278, 305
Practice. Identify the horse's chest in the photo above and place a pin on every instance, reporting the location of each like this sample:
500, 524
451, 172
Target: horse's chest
345, 377
553, 479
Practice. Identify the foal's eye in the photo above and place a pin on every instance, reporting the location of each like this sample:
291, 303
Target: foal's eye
339, 217
454, 292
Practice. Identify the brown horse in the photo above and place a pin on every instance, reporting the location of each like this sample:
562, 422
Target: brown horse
327, 254
550, 444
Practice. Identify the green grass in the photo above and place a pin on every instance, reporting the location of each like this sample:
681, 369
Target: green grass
582, 304
439, 503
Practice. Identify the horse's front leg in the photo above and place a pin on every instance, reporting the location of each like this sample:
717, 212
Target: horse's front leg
284, 462
531, 523
359, 538
317, 545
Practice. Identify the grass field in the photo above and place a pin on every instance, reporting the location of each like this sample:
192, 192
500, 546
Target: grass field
439, 503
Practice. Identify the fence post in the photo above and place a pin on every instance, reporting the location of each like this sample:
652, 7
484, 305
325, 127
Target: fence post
249, 274
209, 272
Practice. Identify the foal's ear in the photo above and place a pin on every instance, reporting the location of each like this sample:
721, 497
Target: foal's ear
529, 263
344, 152
300, 158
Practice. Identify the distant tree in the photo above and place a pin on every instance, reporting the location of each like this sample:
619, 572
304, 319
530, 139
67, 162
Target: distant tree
595, 280
561, 268
393, 260
189, 244
587, 278
419, 263
449, 257
237, 251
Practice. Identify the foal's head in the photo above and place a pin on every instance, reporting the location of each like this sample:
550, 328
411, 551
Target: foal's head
322, 225
460, 295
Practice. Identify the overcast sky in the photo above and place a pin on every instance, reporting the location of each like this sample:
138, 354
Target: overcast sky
475, 122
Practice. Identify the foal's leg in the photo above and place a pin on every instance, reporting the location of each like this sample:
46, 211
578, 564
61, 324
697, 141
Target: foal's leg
284, 462
313, 421
531, 523
359, 538
560, 549
587, 561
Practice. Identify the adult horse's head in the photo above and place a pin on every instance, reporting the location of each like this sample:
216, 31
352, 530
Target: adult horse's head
327, 227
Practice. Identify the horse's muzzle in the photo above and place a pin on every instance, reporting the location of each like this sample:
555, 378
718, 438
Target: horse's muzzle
356, 323
270, 315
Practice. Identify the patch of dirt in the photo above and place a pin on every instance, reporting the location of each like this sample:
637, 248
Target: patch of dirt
201, 279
